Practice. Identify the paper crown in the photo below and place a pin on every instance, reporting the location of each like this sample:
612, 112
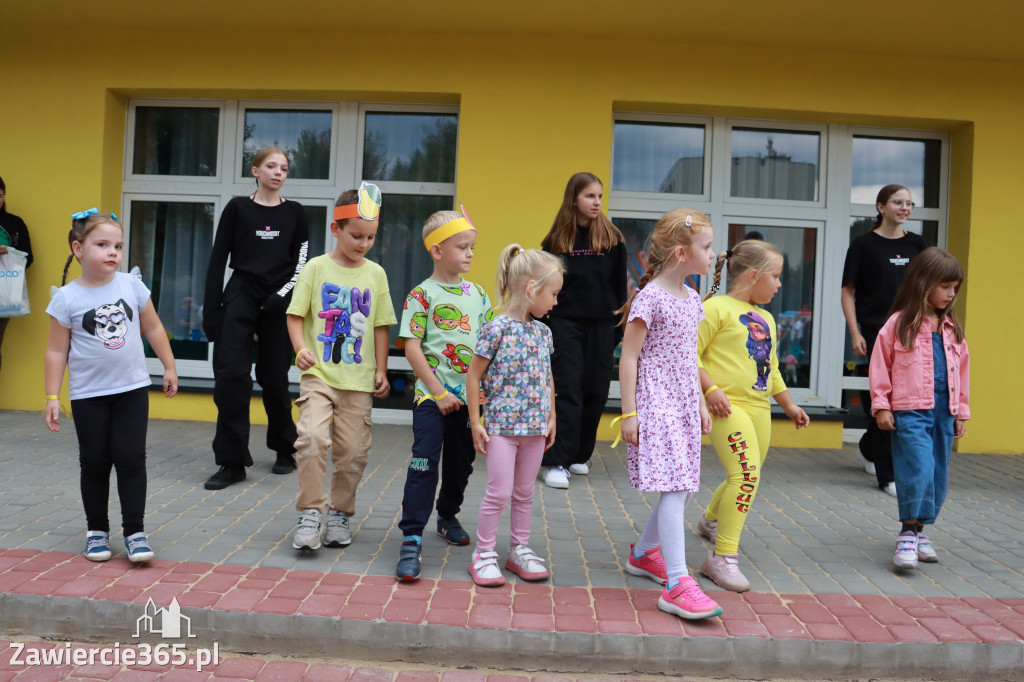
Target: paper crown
450, 229
368, 207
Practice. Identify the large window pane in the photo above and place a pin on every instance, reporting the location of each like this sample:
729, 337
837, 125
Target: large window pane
793, 305
304, 134
775, 164
175, 141
658, 157
170, 242
320, 241
410, 147
881, 161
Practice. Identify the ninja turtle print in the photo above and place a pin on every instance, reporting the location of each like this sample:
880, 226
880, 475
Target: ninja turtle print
445, 319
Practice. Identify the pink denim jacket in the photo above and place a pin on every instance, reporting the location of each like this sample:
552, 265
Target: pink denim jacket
903, 379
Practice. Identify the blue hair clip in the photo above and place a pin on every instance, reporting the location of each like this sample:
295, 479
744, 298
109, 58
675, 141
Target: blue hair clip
114, 216
82, 215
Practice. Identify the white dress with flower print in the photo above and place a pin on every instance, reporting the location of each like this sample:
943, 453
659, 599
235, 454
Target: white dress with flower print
667, 392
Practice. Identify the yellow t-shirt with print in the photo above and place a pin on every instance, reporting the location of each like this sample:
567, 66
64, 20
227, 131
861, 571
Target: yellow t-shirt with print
736, 344
340, 308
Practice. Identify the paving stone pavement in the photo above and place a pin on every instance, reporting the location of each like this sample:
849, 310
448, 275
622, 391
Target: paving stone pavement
819, 524
816, 549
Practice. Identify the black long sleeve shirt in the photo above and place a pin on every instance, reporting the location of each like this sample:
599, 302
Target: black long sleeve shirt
595, 281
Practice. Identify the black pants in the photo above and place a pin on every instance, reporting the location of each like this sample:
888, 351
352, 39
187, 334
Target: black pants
432, 433
582, 369
112, 434
242, 319
876, 444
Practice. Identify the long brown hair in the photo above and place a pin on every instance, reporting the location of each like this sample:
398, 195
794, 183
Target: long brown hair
930, 268
675, 229
562, 235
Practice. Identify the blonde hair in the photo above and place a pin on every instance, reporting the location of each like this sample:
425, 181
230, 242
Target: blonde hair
675, 229
439, 218
517, 266
749, 254
927, 270
80, 229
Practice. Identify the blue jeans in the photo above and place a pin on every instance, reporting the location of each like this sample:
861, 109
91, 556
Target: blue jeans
921, 447
433, 432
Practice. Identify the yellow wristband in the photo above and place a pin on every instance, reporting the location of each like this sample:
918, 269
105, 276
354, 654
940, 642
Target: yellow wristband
432, 397
53, 397
298, 354
615, 421
710, 388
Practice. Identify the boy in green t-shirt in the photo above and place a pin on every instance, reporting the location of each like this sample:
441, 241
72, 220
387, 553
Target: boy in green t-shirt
338, 324
440, 322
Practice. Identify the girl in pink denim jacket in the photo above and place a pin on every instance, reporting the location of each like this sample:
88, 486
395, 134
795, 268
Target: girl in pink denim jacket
920, 378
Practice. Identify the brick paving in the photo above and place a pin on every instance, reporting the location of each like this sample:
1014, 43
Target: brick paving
817, 549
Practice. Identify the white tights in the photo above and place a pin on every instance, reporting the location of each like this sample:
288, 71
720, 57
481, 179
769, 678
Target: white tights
665, 527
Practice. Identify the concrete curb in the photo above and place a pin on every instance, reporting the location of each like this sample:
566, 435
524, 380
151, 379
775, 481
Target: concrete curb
102, 621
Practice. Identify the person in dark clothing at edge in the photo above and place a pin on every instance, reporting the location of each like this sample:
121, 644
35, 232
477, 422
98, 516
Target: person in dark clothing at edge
583, 324
267, 239
13, 234
875, 263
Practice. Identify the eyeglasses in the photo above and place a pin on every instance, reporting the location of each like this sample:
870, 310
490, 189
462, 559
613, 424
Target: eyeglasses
112, 318
902, 204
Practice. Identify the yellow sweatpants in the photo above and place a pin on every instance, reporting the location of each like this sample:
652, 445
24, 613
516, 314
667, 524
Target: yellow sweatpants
741, 442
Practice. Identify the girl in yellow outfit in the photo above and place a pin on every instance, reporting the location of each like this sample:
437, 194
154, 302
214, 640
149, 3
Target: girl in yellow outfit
739, 370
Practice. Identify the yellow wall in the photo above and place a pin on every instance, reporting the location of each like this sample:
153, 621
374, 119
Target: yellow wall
533, 110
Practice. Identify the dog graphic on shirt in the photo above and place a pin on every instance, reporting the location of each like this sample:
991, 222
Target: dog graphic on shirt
109, 323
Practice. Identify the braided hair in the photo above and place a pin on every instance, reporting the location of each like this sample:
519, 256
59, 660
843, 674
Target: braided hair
80, 228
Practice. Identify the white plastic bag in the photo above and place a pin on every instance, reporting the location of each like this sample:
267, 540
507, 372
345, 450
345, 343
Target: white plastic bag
13, 288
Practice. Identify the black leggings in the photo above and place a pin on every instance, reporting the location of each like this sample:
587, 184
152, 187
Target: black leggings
112, 433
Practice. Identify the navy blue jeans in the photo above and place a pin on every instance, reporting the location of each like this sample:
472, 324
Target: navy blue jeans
432, 434
921, 447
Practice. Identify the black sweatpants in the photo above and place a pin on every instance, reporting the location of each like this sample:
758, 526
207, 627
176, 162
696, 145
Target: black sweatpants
242, 319
582, 368
112, 434
876, 444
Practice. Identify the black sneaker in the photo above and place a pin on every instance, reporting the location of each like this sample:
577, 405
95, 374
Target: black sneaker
408, 561
452, 531
225, 477
285, 464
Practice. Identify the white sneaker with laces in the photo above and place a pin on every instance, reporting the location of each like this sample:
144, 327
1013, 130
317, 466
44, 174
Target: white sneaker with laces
555, 477
579, 469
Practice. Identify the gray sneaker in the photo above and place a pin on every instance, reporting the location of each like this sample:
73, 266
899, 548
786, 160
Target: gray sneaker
337, 533
307, 535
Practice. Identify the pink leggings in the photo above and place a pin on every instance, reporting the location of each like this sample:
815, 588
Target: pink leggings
512, 466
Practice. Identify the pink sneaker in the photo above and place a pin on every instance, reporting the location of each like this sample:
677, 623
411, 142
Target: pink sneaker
687, 600
724, 571
483, 568
708, 529
650, 565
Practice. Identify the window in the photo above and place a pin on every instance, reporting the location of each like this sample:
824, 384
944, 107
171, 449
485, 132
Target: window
808, 189
410, 151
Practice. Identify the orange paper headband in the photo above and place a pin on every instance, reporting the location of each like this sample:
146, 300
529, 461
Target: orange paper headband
368, 207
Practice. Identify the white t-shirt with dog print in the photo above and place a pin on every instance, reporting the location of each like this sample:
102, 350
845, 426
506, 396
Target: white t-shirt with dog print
106, 355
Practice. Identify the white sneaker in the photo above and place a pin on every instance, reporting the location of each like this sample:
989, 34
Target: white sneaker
307, 535
336, 532
555, 477
579, 469
525, 563
869, 467
890, 489
483, 568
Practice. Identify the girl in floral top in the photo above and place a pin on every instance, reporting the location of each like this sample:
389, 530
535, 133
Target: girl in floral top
513, 362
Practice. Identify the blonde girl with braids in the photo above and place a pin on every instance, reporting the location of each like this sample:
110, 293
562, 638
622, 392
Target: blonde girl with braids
512, 361
920, 384
739, 371
95, 325
583, 324
663, 411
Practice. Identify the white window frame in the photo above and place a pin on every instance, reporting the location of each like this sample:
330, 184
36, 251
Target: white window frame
239, 174
831, 215
645, 198
177, 181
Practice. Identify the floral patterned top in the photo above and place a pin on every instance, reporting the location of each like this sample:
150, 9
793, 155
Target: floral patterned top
517, 383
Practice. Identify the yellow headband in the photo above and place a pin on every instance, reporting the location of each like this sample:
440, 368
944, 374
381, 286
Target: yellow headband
447, 230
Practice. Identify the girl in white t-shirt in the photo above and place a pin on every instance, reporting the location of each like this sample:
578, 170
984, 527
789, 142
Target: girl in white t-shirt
95, 325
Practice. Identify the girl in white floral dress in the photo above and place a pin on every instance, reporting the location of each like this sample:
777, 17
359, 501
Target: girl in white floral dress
663, 410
